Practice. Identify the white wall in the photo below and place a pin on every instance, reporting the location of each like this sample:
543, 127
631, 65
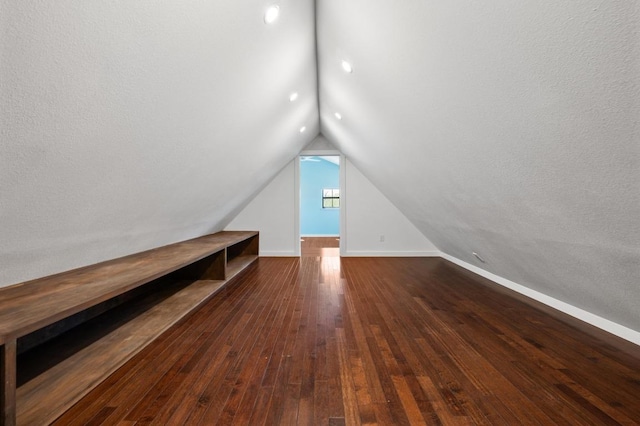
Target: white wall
367, 212
320, 146
371, 217
272, 212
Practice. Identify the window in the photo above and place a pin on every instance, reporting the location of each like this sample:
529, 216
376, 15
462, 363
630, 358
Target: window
330, 198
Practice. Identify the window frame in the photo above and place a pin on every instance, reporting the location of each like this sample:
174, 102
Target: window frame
332, 195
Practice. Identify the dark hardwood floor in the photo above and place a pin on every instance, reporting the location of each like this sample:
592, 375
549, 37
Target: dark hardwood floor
324, 341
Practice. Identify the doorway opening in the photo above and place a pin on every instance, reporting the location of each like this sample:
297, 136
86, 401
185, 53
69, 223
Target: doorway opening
319, 206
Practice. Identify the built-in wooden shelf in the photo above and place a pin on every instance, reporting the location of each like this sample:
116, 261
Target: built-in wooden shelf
237, 265
135, 299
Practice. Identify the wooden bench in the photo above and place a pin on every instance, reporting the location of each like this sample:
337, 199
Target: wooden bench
201, 266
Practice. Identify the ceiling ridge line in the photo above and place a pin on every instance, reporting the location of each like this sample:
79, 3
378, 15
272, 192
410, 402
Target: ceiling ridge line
315, 30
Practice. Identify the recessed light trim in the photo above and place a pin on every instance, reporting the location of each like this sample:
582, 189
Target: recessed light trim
346, 66
293, 96
302, 129
338, 115
271, 14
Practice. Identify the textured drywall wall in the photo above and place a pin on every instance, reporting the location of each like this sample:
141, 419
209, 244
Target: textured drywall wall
369, 214
272, 212
375, 227
506, 128
320, 145
126, 125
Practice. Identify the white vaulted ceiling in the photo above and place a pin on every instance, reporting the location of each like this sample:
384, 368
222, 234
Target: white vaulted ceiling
127, 125
509, 129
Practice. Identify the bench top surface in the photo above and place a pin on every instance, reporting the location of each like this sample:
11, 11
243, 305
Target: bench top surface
34, 304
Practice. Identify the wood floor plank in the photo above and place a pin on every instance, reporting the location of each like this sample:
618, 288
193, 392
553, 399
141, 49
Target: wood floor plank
177, 359
349, 398
239, 375
215, 392
329, 341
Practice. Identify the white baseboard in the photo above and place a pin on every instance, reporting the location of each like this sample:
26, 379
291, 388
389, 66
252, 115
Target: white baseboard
278, 254
391, 254
320, 235
602, 323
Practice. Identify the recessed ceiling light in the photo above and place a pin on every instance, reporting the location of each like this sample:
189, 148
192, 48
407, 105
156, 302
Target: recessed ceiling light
271, 14
302, 129
338, 115
347, 67
293, 96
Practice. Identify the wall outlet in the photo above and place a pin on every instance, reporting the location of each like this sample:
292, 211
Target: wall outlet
382, 238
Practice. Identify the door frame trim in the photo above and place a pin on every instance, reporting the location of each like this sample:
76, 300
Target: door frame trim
343, 196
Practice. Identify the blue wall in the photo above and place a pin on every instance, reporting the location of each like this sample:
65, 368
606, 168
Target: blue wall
314, 176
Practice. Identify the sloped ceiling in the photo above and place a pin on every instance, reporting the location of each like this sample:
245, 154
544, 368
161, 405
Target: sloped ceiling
510, 129
505, 128
127, 125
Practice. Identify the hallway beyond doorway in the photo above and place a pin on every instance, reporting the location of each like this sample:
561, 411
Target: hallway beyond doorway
320, 246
